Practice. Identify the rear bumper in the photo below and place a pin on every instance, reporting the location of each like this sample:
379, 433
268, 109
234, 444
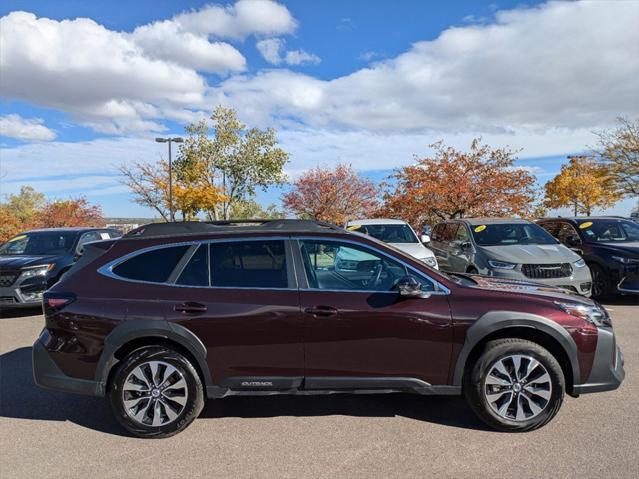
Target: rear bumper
48, 375
607, 369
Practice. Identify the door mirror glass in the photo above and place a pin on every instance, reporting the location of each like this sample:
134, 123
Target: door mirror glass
425, 238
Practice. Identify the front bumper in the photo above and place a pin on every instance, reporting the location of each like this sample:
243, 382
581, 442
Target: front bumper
48, 375
23, 293
607, 368
629, 284
579, 282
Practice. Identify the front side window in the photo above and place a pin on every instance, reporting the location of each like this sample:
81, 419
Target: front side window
462, 234
503, 234
36, 244
153, 266
249, 264
333, 265
565, 231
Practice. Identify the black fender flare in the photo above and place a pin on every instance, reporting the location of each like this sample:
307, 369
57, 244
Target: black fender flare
130, 330
498, 320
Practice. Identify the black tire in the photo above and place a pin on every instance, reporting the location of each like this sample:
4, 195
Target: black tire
477, 373
601, 285
472, 270
193, 392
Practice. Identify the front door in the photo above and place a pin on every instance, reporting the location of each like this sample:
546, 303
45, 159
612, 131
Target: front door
361, 333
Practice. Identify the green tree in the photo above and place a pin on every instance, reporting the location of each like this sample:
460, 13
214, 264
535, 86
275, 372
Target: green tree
618, 152
26, 204
237, 161
251, 209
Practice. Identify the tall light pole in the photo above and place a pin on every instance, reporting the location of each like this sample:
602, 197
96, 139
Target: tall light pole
169, 140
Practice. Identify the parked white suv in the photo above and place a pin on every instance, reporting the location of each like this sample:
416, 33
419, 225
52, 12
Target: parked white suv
397, 233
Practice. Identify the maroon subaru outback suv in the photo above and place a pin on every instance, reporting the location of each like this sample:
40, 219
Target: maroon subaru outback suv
172, 314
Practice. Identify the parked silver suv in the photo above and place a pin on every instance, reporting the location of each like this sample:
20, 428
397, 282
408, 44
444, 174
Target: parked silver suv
508, 248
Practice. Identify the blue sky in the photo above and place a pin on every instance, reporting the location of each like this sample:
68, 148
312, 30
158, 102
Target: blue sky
88, 85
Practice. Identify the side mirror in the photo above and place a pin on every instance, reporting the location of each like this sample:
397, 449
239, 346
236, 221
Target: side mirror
425, 238
573, 240
409, 287
465, 246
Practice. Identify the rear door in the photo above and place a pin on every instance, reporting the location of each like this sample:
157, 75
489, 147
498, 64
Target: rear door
361, 333
240, 298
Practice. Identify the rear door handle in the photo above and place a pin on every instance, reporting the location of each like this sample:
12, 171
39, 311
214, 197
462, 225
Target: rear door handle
325, 311
190, 307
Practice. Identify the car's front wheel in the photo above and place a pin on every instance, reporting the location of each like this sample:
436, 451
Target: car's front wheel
156, 392
515, 385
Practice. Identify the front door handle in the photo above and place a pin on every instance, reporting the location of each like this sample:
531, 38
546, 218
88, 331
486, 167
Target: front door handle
190, 307
325, 311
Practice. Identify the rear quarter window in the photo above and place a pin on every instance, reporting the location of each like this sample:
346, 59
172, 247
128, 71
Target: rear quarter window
154, 266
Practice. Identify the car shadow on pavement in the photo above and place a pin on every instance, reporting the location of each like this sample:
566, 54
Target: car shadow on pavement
444, 410
20, 398
20, 312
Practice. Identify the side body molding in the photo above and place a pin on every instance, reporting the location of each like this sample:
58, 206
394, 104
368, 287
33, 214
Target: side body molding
130, 330
498, 320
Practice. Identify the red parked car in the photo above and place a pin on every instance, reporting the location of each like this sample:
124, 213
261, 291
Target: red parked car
172, 314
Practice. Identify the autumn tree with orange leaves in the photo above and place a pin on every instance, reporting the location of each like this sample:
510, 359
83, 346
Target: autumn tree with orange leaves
70, 213
333, 195
456, 184
582, 185
29, 209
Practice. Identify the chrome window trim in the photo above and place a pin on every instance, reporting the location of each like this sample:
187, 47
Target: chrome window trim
440, 290
107, 269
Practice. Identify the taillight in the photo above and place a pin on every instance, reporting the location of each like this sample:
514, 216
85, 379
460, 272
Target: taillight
56, 301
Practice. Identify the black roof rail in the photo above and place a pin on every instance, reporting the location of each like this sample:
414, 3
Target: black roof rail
195, 227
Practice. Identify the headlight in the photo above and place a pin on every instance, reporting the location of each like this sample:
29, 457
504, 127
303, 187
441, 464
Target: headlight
430, 261
580, 263
40, 270
623, 260
501, 264
593, 314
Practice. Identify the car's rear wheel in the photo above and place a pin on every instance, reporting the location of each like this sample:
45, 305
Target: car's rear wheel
515, 385
156, 392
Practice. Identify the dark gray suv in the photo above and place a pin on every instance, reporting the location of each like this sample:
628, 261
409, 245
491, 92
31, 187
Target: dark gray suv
508, 248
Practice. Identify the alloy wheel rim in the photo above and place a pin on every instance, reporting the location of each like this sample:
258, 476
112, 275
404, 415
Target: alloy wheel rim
154, 393
597, 283
517, 387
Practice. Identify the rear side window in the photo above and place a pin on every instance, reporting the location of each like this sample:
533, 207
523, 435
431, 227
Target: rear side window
249, 264
154, 266
196, 272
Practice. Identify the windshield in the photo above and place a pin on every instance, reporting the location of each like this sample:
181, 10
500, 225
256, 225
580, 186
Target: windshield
38, 244
509, 234
609, 230
397, 233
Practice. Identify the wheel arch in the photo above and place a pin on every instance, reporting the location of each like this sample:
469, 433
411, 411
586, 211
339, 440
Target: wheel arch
510, 324
131, 335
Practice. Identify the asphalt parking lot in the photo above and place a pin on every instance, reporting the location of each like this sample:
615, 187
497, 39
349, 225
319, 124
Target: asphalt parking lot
50, 434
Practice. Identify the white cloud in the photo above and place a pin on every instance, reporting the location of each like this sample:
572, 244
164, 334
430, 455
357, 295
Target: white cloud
272, 51
119, 82
299, 57
562, 64
29, 129
105, 80
246, 17
166, 40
